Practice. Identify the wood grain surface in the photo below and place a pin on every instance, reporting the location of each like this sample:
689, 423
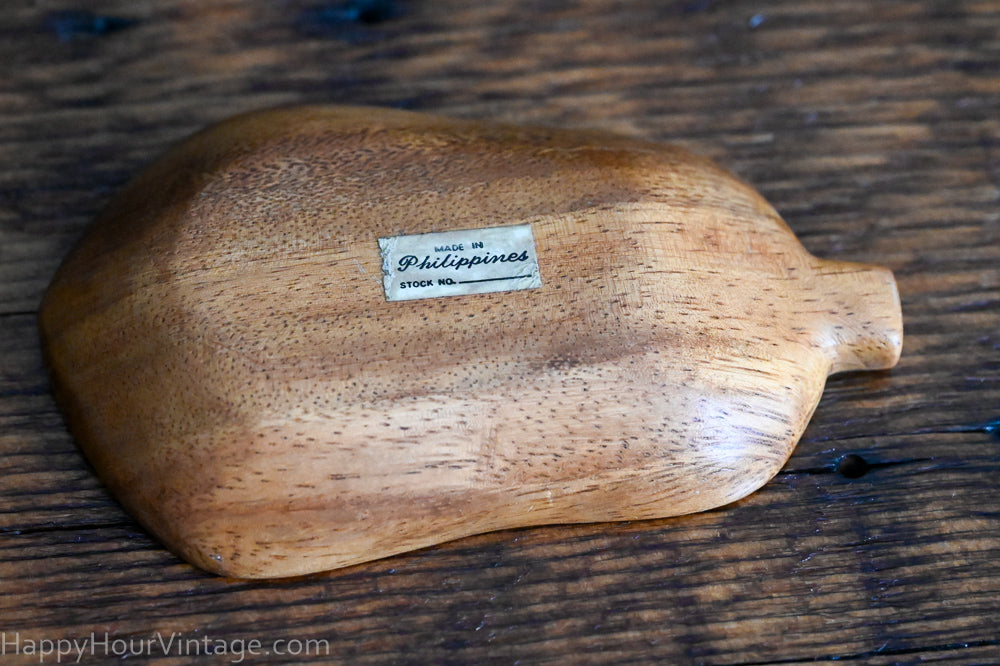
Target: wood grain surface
873, 128
227, 356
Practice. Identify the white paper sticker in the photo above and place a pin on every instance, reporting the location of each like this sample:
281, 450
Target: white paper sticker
455, 263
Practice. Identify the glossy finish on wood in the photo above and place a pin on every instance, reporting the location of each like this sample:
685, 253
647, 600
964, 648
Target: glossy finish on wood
870, 127
229, 362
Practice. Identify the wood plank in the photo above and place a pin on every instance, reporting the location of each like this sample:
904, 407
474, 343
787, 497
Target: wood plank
898, 543
871, 128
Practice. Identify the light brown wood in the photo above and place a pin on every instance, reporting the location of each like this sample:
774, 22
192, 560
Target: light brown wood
227, 360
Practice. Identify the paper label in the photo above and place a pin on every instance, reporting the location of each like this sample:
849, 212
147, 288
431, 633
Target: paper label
455, 263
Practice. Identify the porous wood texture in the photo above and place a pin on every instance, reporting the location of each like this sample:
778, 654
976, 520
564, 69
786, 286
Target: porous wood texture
872, 128
229, 362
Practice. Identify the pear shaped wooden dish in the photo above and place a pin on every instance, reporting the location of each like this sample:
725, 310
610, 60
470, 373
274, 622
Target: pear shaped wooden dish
228, 359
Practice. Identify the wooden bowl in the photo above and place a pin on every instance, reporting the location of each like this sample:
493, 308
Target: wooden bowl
228, 351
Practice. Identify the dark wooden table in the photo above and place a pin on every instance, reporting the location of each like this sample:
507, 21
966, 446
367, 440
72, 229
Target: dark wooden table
873, 127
